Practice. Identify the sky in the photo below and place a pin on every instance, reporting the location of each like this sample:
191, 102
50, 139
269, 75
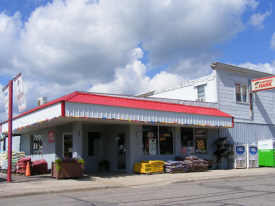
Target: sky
128, 47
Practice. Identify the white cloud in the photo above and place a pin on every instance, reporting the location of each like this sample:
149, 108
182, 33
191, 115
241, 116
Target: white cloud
256, 20
268, 68
70, 45
133, 80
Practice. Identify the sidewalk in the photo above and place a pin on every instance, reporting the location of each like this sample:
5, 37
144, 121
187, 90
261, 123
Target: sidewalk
45, 184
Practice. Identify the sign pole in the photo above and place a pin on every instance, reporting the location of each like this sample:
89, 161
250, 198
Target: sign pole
10, 131
10, 85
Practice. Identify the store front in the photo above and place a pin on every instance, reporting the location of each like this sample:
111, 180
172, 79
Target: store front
122, 131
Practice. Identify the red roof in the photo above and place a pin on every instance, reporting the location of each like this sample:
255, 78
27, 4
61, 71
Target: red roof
99, 99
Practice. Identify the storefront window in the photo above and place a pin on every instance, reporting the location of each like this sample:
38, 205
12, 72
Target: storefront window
150, 140
94, 144
187, 141
36, 144
200, 141
166, 140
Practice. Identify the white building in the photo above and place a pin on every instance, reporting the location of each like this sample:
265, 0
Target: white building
121, 129
229, 86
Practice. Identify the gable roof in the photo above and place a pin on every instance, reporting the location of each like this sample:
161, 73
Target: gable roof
129, 102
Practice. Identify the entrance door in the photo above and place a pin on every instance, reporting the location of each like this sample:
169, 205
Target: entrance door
121, 152
68, 145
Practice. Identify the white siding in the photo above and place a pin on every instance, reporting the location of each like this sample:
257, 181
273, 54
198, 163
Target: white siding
188, 90
48, 112
263, 101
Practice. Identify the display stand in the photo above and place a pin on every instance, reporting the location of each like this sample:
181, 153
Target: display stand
222, 150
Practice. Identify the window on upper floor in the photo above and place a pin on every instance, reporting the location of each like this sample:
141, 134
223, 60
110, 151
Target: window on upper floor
241, 92
201, 93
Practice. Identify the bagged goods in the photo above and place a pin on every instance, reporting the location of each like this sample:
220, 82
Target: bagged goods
4, 160
149, 166
37, 166
176, 167
190, 164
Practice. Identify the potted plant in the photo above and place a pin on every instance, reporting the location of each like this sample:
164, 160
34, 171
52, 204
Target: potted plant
104, 165
67, 168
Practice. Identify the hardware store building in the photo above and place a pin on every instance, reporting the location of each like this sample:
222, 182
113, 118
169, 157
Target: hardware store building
121, 129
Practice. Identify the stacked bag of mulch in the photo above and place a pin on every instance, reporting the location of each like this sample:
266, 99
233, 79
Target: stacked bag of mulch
149, 166
21, 165
186, 164
4, 160
39, 167
197, 164
176, 167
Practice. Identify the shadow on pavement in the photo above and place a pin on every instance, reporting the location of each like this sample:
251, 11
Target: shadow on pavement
92, 176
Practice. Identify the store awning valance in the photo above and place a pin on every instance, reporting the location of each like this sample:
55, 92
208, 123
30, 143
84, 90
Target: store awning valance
2, 136
37, 137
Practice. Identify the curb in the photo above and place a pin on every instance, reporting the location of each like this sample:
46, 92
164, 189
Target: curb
49, 192
163, 182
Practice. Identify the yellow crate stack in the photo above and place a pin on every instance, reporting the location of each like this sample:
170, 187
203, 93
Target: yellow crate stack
149, 166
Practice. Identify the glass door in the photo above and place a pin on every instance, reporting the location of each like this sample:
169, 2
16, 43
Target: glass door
121, 152
68, 145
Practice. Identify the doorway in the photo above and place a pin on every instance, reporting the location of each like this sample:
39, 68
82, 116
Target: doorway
67, 145
121, 152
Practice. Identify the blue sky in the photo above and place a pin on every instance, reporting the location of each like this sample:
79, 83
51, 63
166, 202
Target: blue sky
128, 47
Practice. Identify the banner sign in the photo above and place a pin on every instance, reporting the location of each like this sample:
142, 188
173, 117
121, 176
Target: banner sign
51, 135
263, 84
200, 141
21, 101
6, 100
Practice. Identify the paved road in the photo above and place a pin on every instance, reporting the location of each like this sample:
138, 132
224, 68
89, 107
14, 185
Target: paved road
241, 191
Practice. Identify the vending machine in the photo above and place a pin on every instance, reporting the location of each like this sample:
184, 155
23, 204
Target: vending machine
252, 155
240, 155
152, 146
266, 152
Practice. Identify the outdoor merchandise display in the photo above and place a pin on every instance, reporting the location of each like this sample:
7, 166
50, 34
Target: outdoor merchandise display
222, 149
21, 165
4, 160
189, 164
149, 166
39, 167
266, 152
36, 167
252, 155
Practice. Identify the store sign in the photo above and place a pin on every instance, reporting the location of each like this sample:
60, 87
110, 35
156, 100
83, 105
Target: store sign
200, 141
51, 135
150, 135
263, 84
265, 144
183, 150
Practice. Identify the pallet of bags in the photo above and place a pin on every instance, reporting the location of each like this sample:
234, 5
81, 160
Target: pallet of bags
21, 165
176, 167
149, 166
196, 164
39, 167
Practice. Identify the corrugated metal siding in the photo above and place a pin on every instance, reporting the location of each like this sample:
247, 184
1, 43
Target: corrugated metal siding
121, 113
245, 132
